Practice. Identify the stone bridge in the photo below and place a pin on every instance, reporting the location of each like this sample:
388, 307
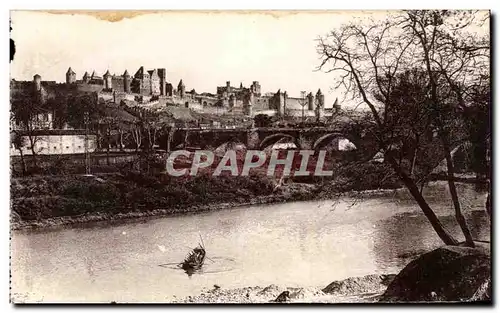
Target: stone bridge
259, 138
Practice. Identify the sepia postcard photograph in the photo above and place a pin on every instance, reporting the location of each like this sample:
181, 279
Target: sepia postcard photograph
243, 157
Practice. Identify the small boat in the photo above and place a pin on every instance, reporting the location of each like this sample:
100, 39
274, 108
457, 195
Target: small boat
194, 260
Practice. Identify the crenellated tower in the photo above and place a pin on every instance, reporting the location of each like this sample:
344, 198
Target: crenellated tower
256, 88
162, 73
248, 103
280, 99
155, 83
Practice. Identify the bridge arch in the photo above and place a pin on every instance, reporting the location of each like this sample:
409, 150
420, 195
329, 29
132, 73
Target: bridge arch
326, 139
236, 145
274, 138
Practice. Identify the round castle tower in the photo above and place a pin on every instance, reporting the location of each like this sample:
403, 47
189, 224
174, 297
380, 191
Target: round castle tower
70, 76
37, 79
126, 82
108, 84
320, 105
181, 89
310, 101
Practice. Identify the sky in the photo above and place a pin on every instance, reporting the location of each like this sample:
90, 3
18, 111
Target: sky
203, 49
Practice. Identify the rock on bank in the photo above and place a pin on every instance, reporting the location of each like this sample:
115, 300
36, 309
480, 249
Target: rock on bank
448, 274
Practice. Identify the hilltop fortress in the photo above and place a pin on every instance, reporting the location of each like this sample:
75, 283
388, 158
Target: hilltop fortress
150, 88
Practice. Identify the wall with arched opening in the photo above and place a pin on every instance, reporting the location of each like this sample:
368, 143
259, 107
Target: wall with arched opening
273, 139
337, 141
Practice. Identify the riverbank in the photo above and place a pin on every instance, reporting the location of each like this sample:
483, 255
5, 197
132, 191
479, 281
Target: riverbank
18, 224
306, 193
446, 274
42, 202
365, 289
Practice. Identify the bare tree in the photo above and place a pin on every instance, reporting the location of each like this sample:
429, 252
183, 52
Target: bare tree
27, 112
136, 131
369, 58
151, 124
19, 141
453, 60
110, 124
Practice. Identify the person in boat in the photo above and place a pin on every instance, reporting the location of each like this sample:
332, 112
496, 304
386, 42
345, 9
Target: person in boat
199, 254
195, 258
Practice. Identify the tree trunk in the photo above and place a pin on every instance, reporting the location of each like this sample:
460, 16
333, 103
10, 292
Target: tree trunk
108, 145
449, 163
413, 161
99, 138
479, 131
154, 137
148, 132
488, 202
33, 151
412, 187
23, 161
186, 137
107, 155
169, 140
422, 185
170, 137
137, 138
453, 192
415, 152
121, 140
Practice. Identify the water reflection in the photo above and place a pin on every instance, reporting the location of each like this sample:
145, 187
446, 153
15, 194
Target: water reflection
479, 225
213, 265
402, 237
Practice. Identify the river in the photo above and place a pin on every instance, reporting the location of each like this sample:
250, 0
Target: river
293, 244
